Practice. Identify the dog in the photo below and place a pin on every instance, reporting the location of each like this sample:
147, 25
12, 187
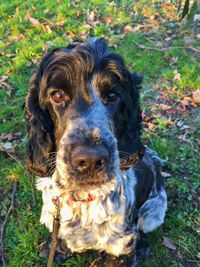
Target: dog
84, 124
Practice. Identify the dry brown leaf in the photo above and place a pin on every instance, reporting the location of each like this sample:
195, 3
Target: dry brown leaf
107, 20
70, 34
151, 126
164, 107
184, 103
17, 37
90, 17
17, 10
4, 84
168, 243
10, 136
46, 28
13, 177
196, 96
34, 21
87, 26
128, 29
177, 76
6, 136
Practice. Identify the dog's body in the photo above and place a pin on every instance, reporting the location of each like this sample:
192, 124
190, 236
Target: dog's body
83, 107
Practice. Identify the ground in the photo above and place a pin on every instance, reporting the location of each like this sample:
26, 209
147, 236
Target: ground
149, 37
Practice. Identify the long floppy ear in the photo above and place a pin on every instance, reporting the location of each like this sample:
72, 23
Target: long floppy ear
128, 119
40, 131
136, 81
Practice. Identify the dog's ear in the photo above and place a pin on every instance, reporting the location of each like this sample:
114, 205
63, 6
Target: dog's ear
128, 119
40, 129
136, 81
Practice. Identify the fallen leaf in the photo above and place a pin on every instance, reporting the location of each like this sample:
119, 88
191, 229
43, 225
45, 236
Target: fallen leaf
10, 136
5, 85
168, 39
107, 20
128, 29
3, 78
164, 107
168, 243
34, 21
13, 177
17, 10
177, 76
70, 34
173, 61
7, 147
196, 96
6, 136
46, 28
16, 37
151, 126
166, 174
90, 17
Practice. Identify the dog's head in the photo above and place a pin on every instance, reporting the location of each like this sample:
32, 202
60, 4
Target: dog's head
82, 111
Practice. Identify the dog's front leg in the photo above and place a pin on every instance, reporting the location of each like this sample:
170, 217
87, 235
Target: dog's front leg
107, 260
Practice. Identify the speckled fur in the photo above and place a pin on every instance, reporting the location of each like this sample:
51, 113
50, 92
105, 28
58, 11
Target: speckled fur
97, 122
102, 223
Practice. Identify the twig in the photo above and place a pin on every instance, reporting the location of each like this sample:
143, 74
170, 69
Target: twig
11, 156
93, 264
56, 224
5, 222
32, 189
165, 48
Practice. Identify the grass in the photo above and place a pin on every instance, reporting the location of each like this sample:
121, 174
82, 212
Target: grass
28, 29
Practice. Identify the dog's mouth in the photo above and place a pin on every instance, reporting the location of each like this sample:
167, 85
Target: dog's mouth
72, 179
91, 179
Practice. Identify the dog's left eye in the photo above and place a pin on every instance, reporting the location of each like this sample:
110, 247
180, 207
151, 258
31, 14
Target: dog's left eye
58, 97
111, 97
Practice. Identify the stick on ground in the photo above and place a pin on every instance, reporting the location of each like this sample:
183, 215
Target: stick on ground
166, 48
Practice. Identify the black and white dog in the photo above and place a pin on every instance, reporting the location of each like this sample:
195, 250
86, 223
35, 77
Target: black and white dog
83, 119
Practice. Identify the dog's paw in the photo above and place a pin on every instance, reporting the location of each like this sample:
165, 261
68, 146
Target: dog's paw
62, 253
152, 213
143, 247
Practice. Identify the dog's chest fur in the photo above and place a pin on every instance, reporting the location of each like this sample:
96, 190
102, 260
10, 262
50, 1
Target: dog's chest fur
98, 224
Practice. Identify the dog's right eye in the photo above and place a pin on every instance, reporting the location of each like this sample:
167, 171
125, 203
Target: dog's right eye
111, 97
58, 97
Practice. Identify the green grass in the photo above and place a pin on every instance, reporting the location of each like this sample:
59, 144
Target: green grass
22, 45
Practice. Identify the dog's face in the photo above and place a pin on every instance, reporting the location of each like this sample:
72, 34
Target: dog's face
83, 112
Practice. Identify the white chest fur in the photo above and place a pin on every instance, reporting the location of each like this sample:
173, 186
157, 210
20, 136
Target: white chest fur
98, 224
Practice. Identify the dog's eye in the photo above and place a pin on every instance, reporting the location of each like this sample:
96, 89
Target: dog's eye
58, 96
111, 97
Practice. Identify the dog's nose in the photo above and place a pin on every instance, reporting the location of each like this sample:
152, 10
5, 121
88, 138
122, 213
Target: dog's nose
90, 159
